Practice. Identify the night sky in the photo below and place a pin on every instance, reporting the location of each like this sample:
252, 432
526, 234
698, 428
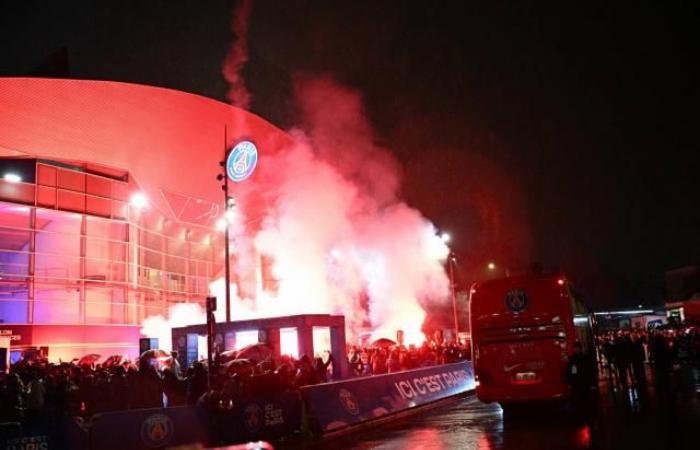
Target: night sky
565, 135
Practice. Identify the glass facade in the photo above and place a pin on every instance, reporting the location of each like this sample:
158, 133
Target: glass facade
73, 252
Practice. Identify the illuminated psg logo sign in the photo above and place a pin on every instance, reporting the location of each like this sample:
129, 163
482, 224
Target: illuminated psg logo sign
241, 161
516, 300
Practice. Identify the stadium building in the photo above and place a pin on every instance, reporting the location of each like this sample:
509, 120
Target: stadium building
108, 208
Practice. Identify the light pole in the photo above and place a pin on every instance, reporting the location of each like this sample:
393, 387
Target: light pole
227, 207
451, 260
238, 164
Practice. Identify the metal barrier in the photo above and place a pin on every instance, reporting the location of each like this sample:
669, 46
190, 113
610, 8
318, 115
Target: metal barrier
44, 434
333, 406
329, 407
149, 428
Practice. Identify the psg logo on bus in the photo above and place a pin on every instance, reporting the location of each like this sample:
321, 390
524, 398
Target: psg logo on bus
516, 300
242, 160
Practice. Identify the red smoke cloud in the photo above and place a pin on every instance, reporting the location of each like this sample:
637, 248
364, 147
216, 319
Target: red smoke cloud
238, 55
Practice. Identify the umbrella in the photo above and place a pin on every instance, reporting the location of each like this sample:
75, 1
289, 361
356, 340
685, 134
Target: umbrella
88, 360
157, 358
383, 343
227, 356
257, 352
155, 353
236, 365
113, 360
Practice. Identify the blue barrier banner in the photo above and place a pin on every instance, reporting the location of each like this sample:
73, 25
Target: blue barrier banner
148, 429
44, 434
263, 417
344, 403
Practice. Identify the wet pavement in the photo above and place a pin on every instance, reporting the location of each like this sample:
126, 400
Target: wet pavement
638, 418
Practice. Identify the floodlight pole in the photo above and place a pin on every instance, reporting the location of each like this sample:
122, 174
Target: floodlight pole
451, 262
226, 233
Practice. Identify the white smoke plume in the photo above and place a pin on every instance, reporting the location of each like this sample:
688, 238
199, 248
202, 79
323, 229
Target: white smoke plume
334, 226
179, 315
327, 211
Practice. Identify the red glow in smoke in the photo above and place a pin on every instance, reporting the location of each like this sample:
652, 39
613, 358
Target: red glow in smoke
238, 94
326, 212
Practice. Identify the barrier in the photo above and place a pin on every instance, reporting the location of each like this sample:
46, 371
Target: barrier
148, 429
333, 406
330, 406
44, 434
265, 417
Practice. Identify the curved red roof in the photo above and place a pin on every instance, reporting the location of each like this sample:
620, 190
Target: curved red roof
170, 141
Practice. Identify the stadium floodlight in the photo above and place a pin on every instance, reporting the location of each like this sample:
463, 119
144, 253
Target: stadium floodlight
138, 200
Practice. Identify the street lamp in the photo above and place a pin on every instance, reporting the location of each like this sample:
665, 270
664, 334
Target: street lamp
451, 260
491, 266
224, 222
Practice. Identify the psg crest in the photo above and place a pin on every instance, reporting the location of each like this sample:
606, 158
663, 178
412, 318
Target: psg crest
349, 402
242, 160
156, 430
516, 300
253, 418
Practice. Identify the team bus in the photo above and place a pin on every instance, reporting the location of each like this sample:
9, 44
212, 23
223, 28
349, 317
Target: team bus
524, 331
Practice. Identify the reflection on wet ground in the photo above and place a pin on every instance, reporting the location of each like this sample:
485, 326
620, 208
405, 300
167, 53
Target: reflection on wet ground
641, 417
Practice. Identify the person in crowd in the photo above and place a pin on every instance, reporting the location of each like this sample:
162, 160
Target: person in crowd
36, 394
197, 383
623, 360
638, 357
580, 376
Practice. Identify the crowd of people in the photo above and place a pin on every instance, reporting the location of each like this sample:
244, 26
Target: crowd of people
39, 389
623, 354
388, 359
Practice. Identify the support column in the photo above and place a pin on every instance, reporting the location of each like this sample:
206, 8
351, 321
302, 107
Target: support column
272, 338
339, 352
81, 283
305, 339
125, 269
31, 265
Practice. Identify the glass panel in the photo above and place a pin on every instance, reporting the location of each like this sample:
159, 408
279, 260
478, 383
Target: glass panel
244, 338
13, 301
104, 304
106, 229
151, 259
105, 260
56, 303
57, 268
322, 342
13, 264
150, 240
58, 233
289, 343
14, 241
176, 264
